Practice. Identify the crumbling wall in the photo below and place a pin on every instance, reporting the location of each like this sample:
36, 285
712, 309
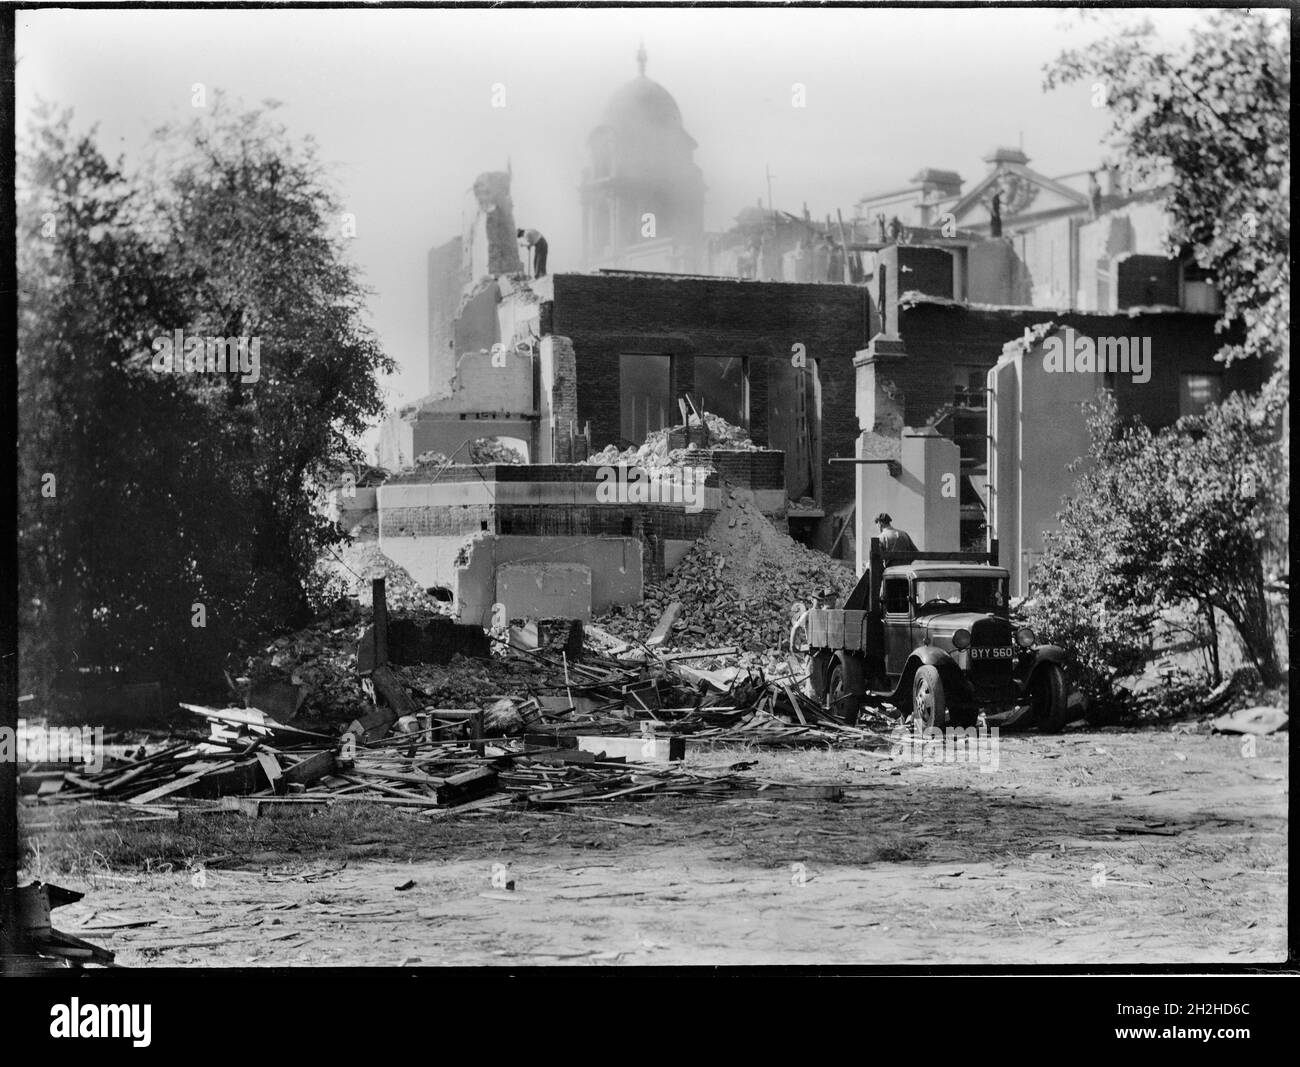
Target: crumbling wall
446, 285
996, 275
558, 401
612, 565
606, 316
491, 246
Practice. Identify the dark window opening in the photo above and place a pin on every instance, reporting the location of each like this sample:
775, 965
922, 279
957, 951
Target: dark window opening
722, 387
645, 395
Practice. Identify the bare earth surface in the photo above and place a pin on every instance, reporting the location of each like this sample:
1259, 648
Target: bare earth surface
1090, 847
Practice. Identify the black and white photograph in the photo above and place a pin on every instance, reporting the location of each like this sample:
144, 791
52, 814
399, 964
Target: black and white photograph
661, 488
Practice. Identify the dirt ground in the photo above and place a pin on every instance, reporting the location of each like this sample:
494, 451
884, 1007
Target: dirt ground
1151, 846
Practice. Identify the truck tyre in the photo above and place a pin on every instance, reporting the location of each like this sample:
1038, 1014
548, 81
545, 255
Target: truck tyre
929, 704
844, 687
819, 664
1049, 698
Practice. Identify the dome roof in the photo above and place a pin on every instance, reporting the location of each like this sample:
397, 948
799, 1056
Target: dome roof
641, 102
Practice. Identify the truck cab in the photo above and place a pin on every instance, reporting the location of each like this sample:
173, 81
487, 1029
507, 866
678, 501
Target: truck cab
933, 637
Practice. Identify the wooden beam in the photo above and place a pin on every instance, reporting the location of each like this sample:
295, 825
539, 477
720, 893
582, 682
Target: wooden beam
636, 749
664, 627
312, 769
380, 607
179, 784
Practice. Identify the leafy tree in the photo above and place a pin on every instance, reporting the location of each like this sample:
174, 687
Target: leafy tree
171, 490
1214, 123
257, 238
1161, 520
1189, 514
112, 490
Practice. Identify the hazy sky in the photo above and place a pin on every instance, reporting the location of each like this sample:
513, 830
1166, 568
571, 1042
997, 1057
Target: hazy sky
400, 103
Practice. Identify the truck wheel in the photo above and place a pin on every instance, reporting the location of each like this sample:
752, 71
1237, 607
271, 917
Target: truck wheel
844, 687
929, 705
818, 669
1048, 698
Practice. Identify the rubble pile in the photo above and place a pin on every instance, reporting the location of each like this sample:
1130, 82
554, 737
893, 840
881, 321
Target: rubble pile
607, 730
322, 659
538, 728
738, 585
476, 683
655, 452
353, 567
483, 451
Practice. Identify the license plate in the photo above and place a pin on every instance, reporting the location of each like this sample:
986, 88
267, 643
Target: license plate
993, 653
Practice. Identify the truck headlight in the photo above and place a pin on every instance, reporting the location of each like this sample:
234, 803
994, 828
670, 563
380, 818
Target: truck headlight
961, 639
1025, 637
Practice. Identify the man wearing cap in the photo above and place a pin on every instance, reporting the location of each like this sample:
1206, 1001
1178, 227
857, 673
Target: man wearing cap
891, 540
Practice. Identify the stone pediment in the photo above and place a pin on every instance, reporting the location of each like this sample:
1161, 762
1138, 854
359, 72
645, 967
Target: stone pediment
1025, 193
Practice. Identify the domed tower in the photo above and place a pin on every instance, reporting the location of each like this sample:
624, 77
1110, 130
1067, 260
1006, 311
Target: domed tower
641, 163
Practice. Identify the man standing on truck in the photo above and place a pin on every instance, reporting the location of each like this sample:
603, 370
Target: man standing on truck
893, 541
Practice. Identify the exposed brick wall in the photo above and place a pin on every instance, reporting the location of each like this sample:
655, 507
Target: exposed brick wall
609, 315
750, 470
446, 521
563, 399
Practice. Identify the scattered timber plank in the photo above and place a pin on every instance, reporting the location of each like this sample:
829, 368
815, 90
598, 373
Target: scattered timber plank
272, 769
703, 653
398, 776
273, 807
573, 756
572, 792
636, 749
472, 805
240, 779
379, 602
390, 687
551, 740
409, 802
178, 784
374, 725
312, 769
388, 790
469, 785
794, 703
664, 627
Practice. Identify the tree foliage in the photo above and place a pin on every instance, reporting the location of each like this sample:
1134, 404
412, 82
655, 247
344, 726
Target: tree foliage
171, 490
1162, 520
1213, 122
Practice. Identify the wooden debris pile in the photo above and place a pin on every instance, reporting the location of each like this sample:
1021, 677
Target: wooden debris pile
582, 732
254, 765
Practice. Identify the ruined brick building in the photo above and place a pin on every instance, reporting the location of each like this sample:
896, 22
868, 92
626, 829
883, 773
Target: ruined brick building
902, 390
